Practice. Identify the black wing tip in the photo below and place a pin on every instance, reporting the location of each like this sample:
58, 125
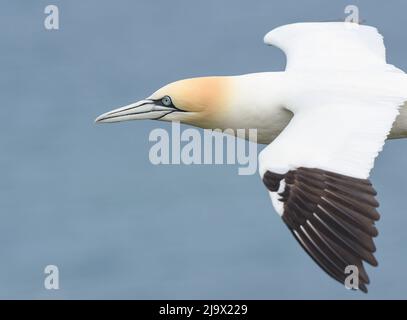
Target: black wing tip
362, 288
332, 217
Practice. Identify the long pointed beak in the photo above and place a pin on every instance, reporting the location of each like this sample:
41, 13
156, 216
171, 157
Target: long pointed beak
141, 110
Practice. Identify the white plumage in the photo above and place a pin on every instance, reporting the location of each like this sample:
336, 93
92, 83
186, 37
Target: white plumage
325, 119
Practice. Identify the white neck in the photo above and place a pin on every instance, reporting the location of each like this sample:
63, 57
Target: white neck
257, 102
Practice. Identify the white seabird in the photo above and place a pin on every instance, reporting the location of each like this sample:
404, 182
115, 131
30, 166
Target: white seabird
325, 118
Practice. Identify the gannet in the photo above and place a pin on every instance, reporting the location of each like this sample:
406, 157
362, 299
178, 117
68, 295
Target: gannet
324, 120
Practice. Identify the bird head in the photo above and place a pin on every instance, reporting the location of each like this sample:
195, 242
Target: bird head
197, 101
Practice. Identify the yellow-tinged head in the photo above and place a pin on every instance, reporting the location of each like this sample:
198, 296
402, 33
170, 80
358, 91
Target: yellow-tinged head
197, 101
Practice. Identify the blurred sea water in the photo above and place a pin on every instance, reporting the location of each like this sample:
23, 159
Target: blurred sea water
86, 198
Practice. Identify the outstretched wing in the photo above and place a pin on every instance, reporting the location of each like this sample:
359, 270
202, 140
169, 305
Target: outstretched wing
330, 45
332, 217
316, 172
345, 98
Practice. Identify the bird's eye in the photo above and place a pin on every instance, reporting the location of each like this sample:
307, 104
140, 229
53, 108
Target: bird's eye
166, 101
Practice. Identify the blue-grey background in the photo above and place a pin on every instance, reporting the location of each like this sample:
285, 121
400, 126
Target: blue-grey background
86, 198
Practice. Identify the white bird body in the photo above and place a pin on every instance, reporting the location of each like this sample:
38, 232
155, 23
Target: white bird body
264, 98
325, 119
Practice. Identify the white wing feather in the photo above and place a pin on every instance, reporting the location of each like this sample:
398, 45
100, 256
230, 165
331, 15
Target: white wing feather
345, 107
341, 137
330, 46
345, 98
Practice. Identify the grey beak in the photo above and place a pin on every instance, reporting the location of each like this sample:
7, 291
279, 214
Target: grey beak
141, 110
